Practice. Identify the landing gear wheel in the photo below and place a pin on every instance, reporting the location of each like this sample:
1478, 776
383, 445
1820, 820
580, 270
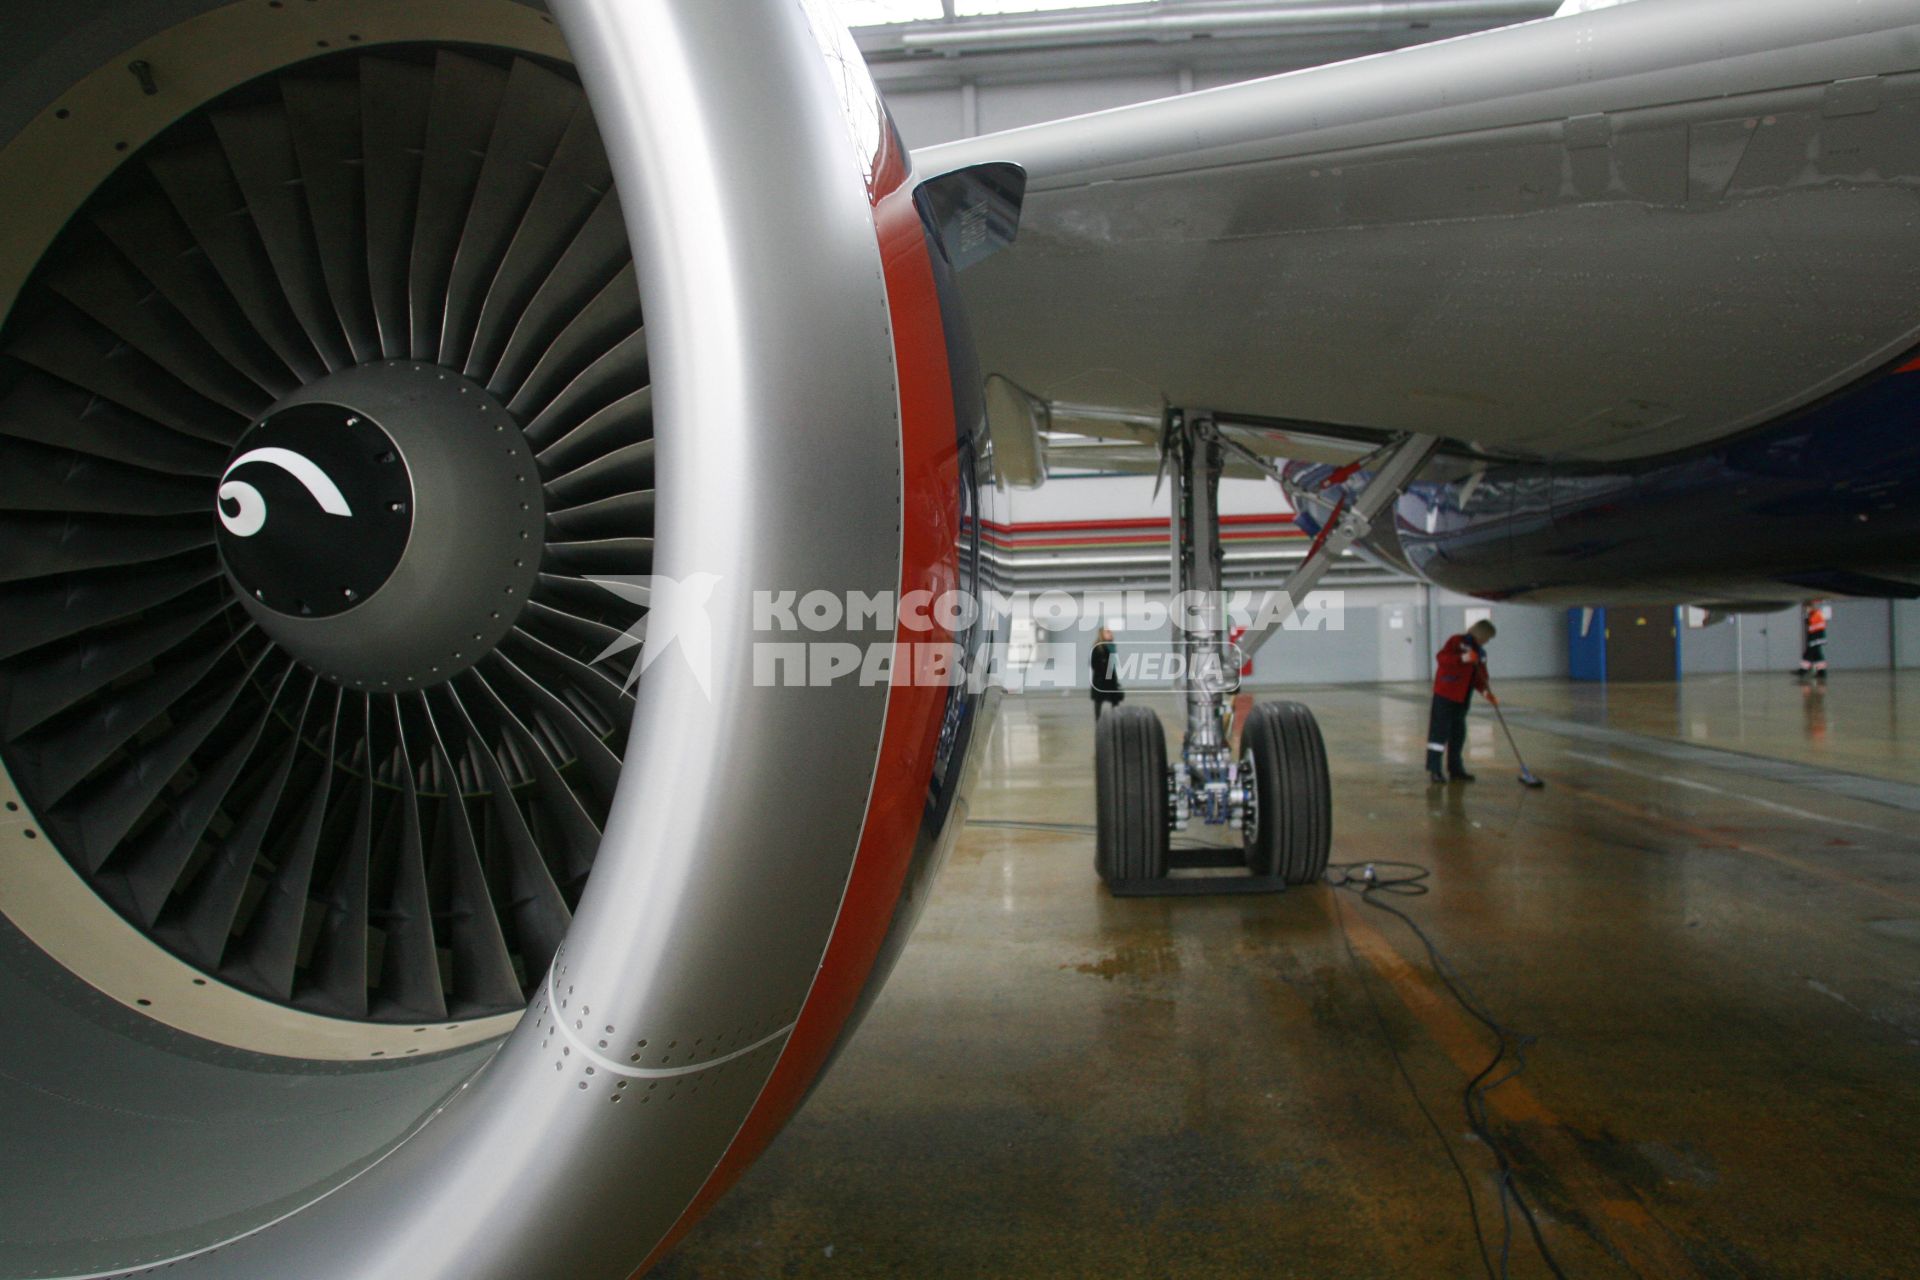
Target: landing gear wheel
1130, 787
1292, 831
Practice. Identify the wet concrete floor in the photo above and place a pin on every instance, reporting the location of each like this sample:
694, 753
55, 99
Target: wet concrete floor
1722, 971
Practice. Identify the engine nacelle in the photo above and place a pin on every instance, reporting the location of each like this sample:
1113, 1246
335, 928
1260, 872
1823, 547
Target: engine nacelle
360, 432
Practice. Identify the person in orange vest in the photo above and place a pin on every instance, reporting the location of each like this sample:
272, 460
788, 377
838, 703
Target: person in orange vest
1813, 658
1462, 668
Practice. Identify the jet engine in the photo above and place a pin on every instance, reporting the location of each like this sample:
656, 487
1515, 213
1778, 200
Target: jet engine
424, 852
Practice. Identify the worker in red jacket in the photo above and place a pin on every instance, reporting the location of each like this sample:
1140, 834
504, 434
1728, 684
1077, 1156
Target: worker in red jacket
1462, 669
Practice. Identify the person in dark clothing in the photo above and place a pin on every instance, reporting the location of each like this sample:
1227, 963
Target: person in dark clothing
1462, 669
1106, 678
1813, 657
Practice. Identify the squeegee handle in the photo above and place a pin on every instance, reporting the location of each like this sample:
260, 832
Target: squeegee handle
1501, 716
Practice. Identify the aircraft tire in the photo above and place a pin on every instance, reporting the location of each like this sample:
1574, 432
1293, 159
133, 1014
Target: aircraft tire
1293, 828
1130, 759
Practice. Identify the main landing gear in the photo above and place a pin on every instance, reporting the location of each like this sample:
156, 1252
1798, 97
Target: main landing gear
1277, 794
1274, 790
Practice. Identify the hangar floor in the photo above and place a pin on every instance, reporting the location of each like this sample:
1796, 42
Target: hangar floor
1716, 949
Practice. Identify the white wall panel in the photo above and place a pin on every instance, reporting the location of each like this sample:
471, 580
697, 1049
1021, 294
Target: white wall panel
1709, 650
1532, 638
1129, 498
1906, 632
1858, 637
1009, 106
927, 117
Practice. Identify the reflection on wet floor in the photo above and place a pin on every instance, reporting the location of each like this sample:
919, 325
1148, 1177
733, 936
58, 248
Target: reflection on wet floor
1722, 969
1852, 723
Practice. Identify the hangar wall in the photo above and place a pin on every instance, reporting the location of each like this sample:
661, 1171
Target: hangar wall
1339, 644
1086, 497
1713, 650
1380, 629
1532, 640
1864, 635
1369, 646
1377, 633
1905, 618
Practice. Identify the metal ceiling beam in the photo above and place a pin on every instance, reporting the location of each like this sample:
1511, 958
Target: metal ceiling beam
1183, 22
1228, 59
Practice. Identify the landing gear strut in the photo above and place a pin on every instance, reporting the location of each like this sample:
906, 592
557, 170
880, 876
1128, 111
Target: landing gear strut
1275, 791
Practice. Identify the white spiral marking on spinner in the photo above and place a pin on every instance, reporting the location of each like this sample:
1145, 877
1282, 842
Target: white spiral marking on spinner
252, 513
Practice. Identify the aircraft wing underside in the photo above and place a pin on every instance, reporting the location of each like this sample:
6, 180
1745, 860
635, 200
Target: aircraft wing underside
1605, 236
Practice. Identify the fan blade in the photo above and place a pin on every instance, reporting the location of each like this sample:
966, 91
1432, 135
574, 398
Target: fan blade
204, 193
52, 412
74, 349
104, 286
540, 914
626, 515
613, 317
616, 378
151, 870
605, 696
34, 477
259, 145
337, 974
150, 233
584, 634
35, 546
579, 830
395, 98
628, 469
626, 421
609, 557
35, 689
596, 256
325, 119
203, 926
483, 976
67, 755
466, 102
49, 609
410, 969
601, 765
535, 110
272, 943
575, 181
586, 599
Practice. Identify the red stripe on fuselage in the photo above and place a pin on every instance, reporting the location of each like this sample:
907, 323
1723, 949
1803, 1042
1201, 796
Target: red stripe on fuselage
929, 561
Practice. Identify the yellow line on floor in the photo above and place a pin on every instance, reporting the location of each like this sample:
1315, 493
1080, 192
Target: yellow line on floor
1625, 1224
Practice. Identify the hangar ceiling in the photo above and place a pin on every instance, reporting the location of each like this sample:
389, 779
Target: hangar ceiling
931, 44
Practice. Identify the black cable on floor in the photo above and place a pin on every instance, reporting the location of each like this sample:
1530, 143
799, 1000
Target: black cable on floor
1409, 880
1412, 885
